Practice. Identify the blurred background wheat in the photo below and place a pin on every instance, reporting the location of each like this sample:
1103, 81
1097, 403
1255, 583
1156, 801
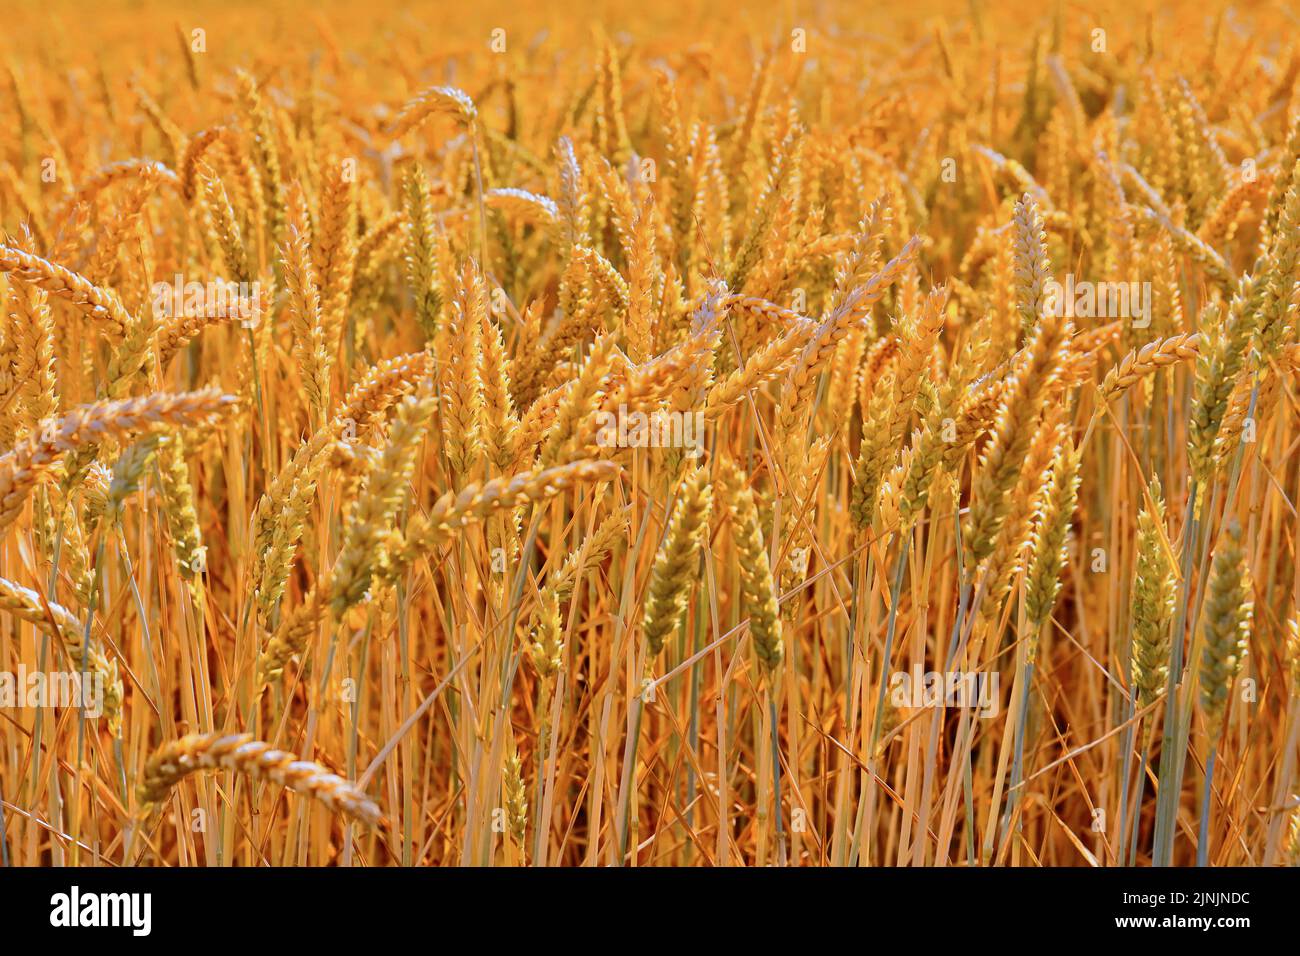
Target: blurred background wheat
649, 435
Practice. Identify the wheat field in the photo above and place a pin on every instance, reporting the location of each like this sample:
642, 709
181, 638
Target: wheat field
649, 436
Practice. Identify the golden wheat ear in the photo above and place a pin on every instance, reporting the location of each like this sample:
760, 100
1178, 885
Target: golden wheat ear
96, 302
22, 466
174, 761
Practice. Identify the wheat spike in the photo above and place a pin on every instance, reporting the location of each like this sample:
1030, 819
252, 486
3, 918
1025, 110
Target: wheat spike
1229, 608
674, 567
173, 762
1154, 596
1148, 359
758, 590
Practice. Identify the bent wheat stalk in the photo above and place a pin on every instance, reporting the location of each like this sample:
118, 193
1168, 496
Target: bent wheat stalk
477, 502
23, 465
1144, 361
175, 761
98, 303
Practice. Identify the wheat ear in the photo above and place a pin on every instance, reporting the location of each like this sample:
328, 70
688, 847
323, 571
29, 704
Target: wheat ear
674, 566
1148, 359
22, 466
175, 761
